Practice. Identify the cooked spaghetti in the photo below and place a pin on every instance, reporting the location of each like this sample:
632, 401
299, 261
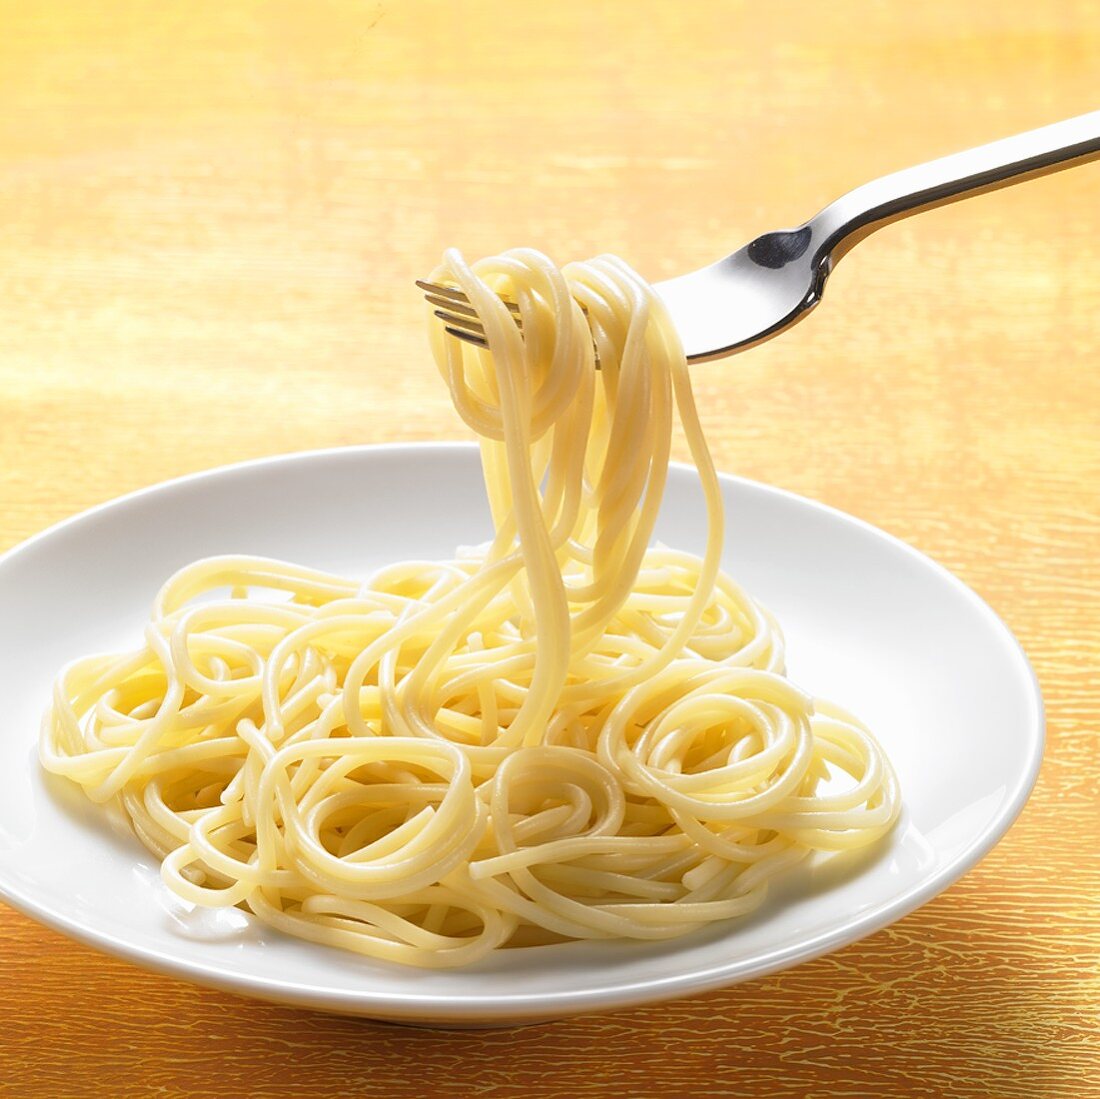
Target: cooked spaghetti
567, 733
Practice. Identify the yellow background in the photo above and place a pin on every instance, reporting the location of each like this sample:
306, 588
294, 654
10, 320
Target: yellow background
211, 215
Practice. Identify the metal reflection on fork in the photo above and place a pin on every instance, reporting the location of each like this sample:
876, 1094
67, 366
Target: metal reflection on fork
778, 278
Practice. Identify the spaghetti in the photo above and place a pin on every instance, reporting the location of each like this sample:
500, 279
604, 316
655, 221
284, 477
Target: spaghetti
567, 733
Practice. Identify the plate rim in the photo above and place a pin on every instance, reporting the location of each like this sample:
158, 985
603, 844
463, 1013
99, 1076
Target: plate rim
472, 1006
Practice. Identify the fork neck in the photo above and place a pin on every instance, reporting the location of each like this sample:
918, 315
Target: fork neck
855, 215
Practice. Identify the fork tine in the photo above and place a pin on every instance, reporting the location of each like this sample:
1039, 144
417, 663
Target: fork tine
460, 318
467, 319
442, 291
454, 297
450, 305
470, 330
469, 337
467, 324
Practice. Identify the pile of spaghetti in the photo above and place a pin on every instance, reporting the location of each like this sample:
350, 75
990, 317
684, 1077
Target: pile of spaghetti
567, 733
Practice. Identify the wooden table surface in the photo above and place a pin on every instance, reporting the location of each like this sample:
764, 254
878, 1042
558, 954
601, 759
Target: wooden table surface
210, 219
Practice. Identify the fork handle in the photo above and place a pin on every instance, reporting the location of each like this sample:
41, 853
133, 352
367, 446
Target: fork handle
850, 218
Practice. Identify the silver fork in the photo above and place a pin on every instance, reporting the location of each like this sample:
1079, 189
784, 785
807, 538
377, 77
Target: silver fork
776, 279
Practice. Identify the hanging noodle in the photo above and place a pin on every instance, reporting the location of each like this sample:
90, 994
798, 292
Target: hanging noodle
565, 734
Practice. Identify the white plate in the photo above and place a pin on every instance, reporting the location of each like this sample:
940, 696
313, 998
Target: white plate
869, 621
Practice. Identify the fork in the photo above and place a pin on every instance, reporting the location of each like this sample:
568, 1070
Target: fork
776, 279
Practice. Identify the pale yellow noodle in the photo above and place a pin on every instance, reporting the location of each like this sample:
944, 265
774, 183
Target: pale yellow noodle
566, 733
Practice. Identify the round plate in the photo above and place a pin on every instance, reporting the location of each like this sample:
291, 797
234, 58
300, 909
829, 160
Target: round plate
870, 623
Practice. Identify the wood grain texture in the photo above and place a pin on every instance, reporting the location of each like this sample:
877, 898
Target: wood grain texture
210, 219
